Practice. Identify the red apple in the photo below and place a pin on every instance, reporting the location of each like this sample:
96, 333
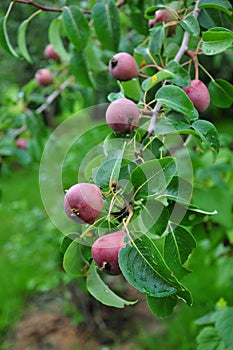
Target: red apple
166, 16
83, 203
105, 251
198, 94
122, 115
21, 143
50, 53
44, 77
123, 66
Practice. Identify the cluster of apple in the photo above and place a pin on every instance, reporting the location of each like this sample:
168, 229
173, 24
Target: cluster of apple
83, 202
43, 76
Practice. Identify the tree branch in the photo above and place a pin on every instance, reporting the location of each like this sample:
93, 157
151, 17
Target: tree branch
53, 95
53, 9
41, 7
183, 48
43, 107
19, 131
121, 3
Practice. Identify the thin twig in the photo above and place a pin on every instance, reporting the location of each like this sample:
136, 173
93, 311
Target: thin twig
43, 107
183, 48
153, 119
41, 7
19, 131
53, 9
121, 3
184, 45
53, 96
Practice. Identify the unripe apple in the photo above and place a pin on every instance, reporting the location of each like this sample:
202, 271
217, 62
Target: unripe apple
198, 94
50, 53
166, 16
21, 143
105, 251
83, 203
123, 66
122, 115
44, 77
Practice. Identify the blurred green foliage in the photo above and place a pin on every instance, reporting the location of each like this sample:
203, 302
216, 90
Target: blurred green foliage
29, 255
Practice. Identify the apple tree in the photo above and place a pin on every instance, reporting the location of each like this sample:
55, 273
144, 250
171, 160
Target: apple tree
131, 206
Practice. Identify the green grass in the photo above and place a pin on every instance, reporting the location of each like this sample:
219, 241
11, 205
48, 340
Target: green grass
29, 245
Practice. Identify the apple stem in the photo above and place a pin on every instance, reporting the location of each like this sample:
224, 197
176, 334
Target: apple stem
143, 76
193, 56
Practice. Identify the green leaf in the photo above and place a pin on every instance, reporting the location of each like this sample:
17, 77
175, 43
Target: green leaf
206, 319
132, 89
150, 12
95, 162
209, 18
179, 190
94, 58
126, 170
193, 216
162, 307
21, 156
72, 261
107, 24
113, 144
221, 93
108, 172
22, 40
152, 148
139, 23
223, 5
4, 39
186, 296
179, 243
191, 25
173, 71
151, 178
55, 39
6, 150
80, 68
76, 27
216, 40
171, 50
149, 250
154, 218
224, 325
179, 75
208, 339
175, 98
144, 267
208, 134
67, 240
111, 165
157, 35
155, 79
140, 275
100, 291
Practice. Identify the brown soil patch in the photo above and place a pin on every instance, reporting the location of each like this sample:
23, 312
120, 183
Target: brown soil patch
45, 327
